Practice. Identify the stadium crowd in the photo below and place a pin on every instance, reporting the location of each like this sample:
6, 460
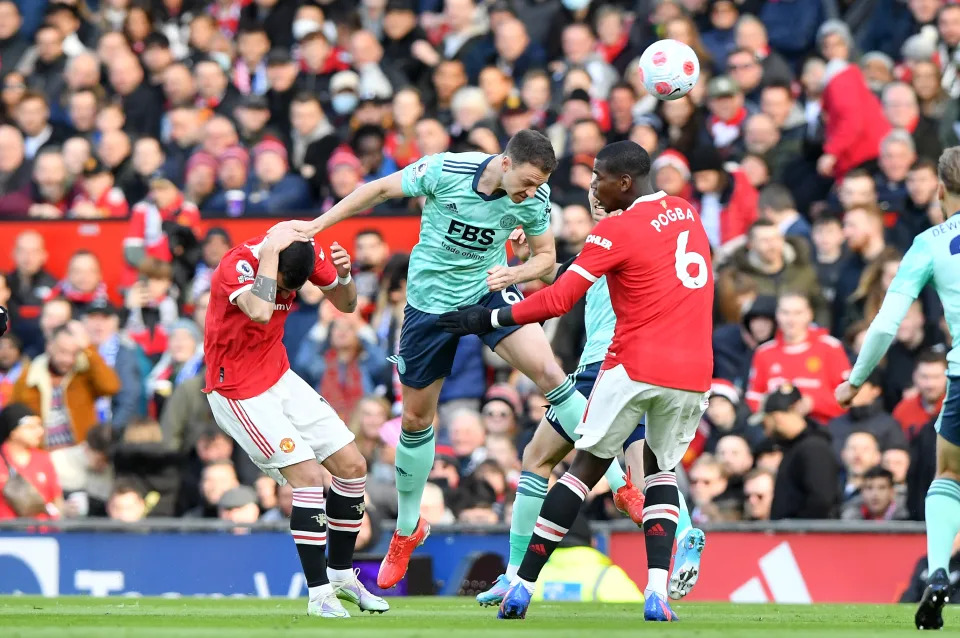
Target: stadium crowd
809, 146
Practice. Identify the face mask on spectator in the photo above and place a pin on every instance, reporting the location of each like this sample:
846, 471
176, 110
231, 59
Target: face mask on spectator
302, 28
575, 5
344, 103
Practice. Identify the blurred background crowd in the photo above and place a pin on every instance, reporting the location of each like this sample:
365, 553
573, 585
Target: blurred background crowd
809, 147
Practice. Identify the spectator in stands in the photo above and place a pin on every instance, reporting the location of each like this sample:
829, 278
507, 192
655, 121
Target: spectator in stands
707, 482
897, 462
368, 144
126, 503
275, 190
751, 34
148, 159
233, 175
897, 155
727, 202
52, 193
239, 505
253, 115
867, 415
733, 453
775, 264
214, 89
777, 101
921, 574
139, 101
13, 46
21, 447
29, 282
863, 230
314, 140
467, 437
181, 360
77, 151
829, 249
84, 282
762, 140
200, 179
921, 207
217, 478
346, 173
63, 385
758, 494
500, 410
861, 451
14, 174
474, 502
151, 310
902, 110
365, 423
12, 365
370, 254
724, 129
99, 197
433, 507
923, 404
345, 366
734, 343
777, 205
815, 369
719, 39
727, 416
671, 174
805, 485
55, 312
877, 500
855, 124
744, 68
216, 243
102, 322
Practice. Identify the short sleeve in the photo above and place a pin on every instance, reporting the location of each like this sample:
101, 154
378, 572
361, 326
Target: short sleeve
541, 218
422, 177
601, 253
136, 230
915, 269
324, 273
237, 273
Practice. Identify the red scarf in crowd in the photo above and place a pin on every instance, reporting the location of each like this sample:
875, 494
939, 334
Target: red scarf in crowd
611, 51
67, 291
341, 386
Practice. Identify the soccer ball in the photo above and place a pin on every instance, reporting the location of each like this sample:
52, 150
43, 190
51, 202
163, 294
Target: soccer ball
669, 69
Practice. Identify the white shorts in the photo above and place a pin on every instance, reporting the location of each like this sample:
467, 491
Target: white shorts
289, 423
616, 405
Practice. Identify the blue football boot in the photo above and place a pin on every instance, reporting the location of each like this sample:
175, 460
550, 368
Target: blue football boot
686, 563
494, 595
656, 608
515, 603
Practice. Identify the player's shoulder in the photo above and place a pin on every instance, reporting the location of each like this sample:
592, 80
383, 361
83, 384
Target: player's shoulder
766, 348
460, 163
829, 341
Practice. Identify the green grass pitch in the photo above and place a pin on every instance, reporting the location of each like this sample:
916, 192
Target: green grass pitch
82, 617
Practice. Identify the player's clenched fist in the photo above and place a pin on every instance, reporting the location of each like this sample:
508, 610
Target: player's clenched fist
341, 260
3, 320
499, 277
472, 320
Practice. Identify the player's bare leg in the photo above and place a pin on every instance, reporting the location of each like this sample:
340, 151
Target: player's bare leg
308, 526
345, 507
943, 523
560, 509
413, 464
690, 540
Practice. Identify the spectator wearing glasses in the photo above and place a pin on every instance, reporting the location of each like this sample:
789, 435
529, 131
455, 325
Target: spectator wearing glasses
758, 494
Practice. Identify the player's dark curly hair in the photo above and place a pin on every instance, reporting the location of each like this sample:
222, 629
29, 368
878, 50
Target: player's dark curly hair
296, 264
625, 158
532, 147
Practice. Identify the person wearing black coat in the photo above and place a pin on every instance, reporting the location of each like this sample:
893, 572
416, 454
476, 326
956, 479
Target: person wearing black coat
806, 485
867, 414
923, 469
275, 19
734, 343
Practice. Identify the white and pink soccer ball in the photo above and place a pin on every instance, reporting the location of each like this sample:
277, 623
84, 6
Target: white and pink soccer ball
669, 69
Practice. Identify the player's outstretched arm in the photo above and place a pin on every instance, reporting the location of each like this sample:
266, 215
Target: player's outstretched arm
344, 295
364, 198
542, 263
259, 302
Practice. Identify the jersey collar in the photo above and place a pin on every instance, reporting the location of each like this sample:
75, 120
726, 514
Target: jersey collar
649, 198
476, 182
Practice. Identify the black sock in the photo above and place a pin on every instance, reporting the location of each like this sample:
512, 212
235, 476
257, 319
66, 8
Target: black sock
559, 510
344, 516
661, 510
308, 526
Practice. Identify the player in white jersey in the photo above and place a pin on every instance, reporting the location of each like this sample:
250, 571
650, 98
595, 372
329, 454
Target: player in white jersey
934, 258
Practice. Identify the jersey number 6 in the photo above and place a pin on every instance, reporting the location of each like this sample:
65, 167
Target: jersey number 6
685, 260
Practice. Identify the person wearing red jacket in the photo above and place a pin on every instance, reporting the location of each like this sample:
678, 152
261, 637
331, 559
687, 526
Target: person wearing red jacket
99, 197
803, 355
855, 123
922, 405
727, 201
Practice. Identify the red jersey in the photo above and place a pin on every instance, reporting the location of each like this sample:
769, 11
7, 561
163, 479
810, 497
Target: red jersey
41, 474
816, 367
245, 358
111, 204
656, 257
146, 225
912, 413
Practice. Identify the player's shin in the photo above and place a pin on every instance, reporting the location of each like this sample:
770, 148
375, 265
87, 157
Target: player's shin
660, 513
309, 529
413, 463
615, 476
943, 522
559, 510
568, 405
531, 491
344, 516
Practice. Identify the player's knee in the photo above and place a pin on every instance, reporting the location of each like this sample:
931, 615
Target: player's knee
353, 467
537, 461
413, 421
307, 474
549, 375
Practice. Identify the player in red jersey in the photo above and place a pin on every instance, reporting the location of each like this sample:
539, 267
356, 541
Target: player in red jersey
280, 421
656, 257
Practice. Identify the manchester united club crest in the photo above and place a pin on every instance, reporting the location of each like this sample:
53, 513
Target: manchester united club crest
814, 364
287, 445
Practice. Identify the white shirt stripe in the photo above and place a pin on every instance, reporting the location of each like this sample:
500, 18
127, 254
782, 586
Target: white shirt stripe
583, 273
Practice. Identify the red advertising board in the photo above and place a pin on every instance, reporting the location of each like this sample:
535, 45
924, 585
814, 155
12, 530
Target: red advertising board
105, 238
791, 568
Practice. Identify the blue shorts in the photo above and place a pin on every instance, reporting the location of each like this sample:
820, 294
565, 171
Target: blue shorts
948, 423
426, 352
583, 379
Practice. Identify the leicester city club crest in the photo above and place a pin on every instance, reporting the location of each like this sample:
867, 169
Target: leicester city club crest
508, 221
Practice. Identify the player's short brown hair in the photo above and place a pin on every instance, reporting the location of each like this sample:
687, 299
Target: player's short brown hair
532, 147
948, 170
153, 268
